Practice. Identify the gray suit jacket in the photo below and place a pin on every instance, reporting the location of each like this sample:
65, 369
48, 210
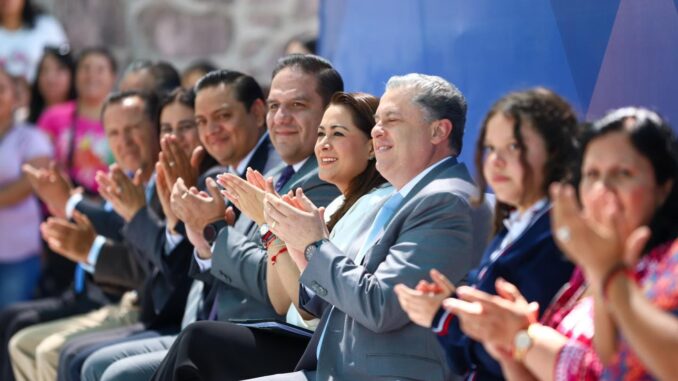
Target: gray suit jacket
239, 260
368, 335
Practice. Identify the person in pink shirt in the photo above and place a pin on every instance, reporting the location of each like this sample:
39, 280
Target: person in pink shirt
81, 148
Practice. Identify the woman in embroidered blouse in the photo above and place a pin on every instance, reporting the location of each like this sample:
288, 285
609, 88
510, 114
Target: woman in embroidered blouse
526, 142
635, 316
628, 170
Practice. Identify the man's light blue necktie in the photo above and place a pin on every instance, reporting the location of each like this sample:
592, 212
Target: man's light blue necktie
385, 213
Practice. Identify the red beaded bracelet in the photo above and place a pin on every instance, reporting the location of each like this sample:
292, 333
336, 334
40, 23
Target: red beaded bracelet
612, 273
275, 256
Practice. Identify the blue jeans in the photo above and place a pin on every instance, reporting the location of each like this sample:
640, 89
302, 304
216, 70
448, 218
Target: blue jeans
18, 280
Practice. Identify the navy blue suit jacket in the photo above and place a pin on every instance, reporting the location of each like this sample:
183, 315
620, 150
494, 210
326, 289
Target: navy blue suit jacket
534, 264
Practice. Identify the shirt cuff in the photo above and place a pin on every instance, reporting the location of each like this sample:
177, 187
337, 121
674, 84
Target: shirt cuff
93, 254
203, 264
171, 241
72, 203
441, 322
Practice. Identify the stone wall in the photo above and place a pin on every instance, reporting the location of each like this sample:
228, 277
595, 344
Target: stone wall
248, 35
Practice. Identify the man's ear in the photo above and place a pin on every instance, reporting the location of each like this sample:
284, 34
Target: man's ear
441, 130
258, 109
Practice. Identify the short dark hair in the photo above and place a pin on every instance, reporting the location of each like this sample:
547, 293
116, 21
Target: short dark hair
653, 138
184, 96
439, 99
203, 66
329, 80
150, 103
246, 88
100, 50
553, 119
165, 75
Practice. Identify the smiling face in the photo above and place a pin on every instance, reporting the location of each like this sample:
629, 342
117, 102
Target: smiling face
614, 171
94, 78
54, 80
295, 110
131, 134
226, 129
177, 119
342, 149
403, 139
502, 166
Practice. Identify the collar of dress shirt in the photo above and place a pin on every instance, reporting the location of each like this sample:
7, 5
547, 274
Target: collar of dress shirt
405, 190
517, 222
242, 166
300, 164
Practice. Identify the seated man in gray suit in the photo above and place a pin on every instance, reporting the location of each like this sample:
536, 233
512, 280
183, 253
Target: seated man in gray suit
301, 89
427, 223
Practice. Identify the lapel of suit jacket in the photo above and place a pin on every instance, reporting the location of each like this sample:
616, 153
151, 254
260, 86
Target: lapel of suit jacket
259, 159
435, 172
310, 166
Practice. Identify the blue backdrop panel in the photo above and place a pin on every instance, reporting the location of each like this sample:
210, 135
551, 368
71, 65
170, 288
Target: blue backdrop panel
489, 47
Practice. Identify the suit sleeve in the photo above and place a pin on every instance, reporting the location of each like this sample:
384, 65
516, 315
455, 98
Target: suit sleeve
117, 265
538, 272
106, 222
146, 233
239, 260
435, 232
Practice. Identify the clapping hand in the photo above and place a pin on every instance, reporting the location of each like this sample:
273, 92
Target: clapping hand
177, 164
490, 319
51, 185
295, 220
126, 196
597, 240
422, 302
71, 240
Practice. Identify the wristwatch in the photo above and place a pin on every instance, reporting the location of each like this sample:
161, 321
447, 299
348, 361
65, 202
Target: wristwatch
522, 342
210, 233
266, 236
310, 249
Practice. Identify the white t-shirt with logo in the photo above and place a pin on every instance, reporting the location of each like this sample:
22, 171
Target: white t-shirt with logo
21, 50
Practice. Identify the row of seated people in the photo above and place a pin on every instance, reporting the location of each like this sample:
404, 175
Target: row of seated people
351, 217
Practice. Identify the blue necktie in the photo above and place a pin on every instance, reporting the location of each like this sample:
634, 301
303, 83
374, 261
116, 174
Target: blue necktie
284, 177
383, 216
79, 279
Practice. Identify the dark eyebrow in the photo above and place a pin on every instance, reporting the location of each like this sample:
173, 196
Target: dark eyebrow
338, 126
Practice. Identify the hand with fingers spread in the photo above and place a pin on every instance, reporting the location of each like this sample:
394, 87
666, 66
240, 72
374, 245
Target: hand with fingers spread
177, 164
51, 185
127, 196
596, 243
247, 196
492, 319
164, 192
422, 302
71, 240
195, 208
298, 227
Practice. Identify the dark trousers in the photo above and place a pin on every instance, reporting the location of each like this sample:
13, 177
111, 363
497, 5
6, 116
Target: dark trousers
213, 350
21, 315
